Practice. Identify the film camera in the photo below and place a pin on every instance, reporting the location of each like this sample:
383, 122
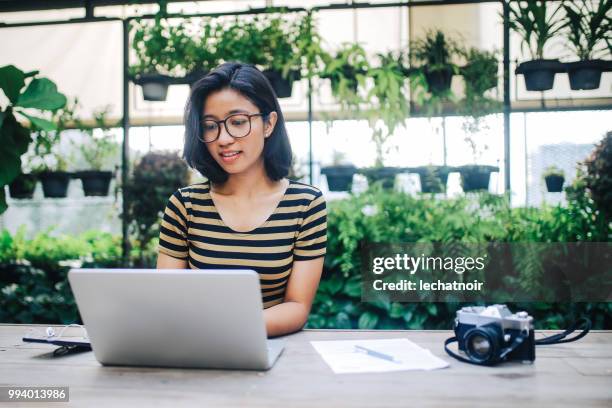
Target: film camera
489, 335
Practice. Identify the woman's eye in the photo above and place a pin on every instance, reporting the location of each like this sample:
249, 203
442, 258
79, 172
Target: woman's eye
210, 126
238, 122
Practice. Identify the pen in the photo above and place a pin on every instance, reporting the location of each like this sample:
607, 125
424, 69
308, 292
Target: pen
376, 354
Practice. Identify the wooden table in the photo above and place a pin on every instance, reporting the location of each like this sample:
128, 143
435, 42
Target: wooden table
575, 374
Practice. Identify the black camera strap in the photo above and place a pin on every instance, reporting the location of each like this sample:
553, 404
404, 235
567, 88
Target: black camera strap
559, 338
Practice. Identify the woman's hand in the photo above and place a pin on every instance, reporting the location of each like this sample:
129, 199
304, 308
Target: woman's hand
291, 315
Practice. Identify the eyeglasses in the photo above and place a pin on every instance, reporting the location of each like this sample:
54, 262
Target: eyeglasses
237, 125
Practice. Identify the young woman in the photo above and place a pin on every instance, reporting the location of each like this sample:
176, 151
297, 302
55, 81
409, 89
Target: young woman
247, 214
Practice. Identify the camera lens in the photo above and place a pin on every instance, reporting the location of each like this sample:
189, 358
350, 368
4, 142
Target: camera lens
482, 345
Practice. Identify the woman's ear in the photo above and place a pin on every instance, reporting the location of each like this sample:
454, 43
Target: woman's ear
270, 123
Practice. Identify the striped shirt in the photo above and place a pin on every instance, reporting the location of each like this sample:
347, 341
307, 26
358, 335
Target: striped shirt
192, 229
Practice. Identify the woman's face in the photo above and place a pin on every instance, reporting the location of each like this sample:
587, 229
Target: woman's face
236, 155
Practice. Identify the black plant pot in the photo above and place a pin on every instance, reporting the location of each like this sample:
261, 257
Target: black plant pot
55, 183
283, 87
540, 74
433, 178
476, 177
154, 86
439, 80
554, 183
584, 75
23, 186
95, 183
350, 75
339, 178
381, 175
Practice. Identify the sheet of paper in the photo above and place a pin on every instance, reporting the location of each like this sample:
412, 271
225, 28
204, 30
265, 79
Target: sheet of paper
344, 357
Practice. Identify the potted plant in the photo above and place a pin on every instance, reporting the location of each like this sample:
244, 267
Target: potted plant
339, 174
283, 63
588, 33
480, 74
475, 177
386, 107
554, 178
434, 54
23, 186
49, 163
433, 178
537, 21
200, 51
99, 152
346, 70
165, 53
22, 91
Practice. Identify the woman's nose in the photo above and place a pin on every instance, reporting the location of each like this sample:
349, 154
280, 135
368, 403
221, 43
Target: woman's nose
225, 137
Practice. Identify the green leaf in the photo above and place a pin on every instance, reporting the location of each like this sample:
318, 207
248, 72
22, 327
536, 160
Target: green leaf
42, 94
12, 80
342, 321
367, 321
40, 123
353, 288
2, 115
396, 310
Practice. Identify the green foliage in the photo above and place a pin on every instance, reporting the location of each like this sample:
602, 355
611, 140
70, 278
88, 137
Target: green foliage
99, 151
479, 75
40, 94
434, 51
33, 284
385, 217
598, 177
553, 171
347, 71
589, 27
536, 21
156, 176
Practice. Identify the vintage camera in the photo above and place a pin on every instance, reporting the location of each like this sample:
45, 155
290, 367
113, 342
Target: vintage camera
488, 335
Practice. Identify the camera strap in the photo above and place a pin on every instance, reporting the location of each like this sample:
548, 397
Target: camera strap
559, 338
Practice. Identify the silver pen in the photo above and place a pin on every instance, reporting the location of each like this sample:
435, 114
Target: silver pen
376, 354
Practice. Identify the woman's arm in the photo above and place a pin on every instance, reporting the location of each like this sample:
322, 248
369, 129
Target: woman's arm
168, 262
291, 315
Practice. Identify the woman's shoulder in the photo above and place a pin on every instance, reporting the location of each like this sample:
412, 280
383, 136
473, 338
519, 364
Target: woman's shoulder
297, 187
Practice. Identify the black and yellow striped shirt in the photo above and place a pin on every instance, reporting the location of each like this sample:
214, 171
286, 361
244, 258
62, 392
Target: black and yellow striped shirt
192, 229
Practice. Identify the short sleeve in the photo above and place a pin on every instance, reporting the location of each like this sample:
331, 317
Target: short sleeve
312, 236
173, 228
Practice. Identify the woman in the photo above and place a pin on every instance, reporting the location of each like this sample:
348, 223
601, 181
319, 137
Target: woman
247, 214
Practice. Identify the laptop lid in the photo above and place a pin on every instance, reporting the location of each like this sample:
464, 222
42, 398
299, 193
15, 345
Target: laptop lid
173, 318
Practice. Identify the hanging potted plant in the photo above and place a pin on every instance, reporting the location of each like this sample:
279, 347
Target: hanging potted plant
339, 174
282, 67
386, 108
433, 178
588, 32
537, 23
162, 51
433, 54
99, 152
346, 71
554, 179
480, 74
200, 53
22, 91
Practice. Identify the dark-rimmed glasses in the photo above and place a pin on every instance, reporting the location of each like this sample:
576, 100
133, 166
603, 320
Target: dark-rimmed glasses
237, 125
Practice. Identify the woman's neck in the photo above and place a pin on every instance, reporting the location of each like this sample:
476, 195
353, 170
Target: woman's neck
249, 184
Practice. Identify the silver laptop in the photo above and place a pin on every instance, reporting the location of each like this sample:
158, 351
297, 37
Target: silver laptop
175, 318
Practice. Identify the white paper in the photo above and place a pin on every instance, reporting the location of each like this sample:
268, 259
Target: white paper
343, 357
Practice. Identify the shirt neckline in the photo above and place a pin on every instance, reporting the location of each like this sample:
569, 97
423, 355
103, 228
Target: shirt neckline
250, 232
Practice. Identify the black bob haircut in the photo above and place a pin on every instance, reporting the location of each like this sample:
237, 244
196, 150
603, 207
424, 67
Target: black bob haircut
253, 85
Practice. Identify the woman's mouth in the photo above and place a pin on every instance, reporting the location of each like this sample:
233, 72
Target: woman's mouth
230, 157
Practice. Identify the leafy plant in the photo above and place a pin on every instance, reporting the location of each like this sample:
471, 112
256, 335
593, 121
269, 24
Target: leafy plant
386, 101
553, 171
536, 21
480, 75
435, 51
598, 177
41, 95
99, 151
241, 39
589, 27
280, 49
309, 46
156, 176
347, 71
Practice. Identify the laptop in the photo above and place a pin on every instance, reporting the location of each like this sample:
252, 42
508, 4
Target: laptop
175, 318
